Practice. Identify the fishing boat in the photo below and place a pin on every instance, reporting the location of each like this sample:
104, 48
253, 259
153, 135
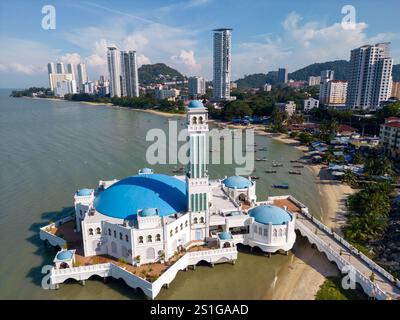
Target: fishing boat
270, 171
283, 185
295, 172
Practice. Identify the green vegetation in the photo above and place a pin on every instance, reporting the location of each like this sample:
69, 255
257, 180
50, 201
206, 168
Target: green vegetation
378, 166
332, 289
157, 73
340, 67
28, 92
368, 213
390, 110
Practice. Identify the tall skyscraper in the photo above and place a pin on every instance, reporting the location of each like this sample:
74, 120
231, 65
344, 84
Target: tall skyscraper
60, 67
196, 87
82, 76
129, 74
326, 77
114, 69
51, 68
222, 64
282, 76
71, 70
370, 76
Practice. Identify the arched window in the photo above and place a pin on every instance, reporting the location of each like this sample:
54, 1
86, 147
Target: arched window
176, 229
109, 231
126, 238
120, 236
201, 219
265, 232
280, 232
181, 226
90, 232
260, 231
115, 234
194, 120
171, 233
140, 239
186, 223
158, 237
149, 238
255, 229
98, 231
200, 120
195, 220
275, 233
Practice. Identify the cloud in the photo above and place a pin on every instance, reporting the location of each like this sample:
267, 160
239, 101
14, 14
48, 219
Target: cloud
73, 58
142, 59
18, 68
187, 60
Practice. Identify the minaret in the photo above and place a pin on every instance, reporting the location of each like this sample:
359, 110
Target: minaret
198, 189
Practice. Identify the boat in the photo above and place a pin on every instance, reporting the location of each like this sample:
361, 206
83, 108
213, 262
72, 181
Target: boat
294, 160
298, 166
275, 164
254, 177
270, 171
284, 185
176, 170
262, 149
294, 172
261, 159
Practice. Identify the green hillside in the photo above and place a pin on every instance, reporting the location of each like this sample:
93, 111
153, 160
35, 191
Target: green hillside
157, 73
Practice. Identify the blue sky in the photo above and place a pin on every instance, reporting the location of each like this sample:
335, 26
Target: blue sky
266, 34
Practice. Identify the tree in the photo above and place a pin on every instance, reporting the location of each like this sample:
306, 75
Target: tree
237, 108
350, 178
305, 137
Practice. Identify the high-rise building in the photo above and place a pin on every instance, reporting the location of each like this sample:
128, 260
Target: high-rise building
82, 76
196, 87
314, 81
60, 67
114, 70
71, 70
396, 90
370, 76
337, 93
326, 77
288, 107
282, 76
222, 64
51, 68
129, 74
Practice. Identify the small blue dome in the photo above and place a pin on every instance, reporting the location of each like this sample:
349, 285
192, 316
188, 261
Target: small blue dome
64, 255
196, 104
148, 212
225, 235
237, 182
124, 198
84, 192
266, 214
146, 171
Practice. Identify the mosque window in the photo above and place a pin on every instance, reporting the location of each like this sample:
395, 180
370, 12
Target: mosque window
120, 236
265, 232
195, 220
181, 226
109, 231
200, 120
194, 120
260, 231
90, 232
275, 233
158, 237
98, 231
140, 239
115, 234
202, 220
186, 223
176, 229
171, 233
149, 238
280, 232
126, 238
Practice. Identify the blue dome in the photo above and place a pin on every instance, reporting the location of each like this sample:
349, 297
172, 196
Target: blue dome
84, 192
237, 182
266, 214
124, 198
196, 104
64, 255
225, 235
148, 212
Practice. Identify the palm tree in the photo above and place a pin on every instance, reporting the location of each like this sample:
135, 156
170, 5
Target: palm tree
350, 178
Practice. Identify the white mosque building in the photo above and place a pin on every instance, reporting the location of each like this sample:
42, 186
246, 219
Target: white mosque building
151, 216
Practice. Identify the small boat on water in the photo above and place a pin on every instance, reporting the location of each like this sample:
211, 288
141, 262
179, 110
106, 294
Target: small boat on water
254, 177
262, 149
270, 171
294, 161
298, 166
261, 159
295, 172
275, 164
283, 185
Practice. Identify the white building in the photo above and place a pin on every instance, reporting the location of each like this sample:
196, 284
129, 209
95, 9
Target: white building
60, 67
370, 80
314, 81
222, 64
129, 74
288, 107
114, 70
389, 136
54, 78
310, 104
337, 94
82, 76
165, 93
196, 87
51, 68
89, 87
267, 87
326, 77
152, 216
64, 87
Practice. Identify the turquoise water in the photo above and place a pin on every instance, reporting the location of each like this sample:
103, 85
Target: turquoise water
49, 149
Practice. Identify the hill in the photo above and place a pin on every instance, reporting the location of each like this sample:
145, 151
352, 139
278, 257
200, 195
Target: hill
340, 67
157, 73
